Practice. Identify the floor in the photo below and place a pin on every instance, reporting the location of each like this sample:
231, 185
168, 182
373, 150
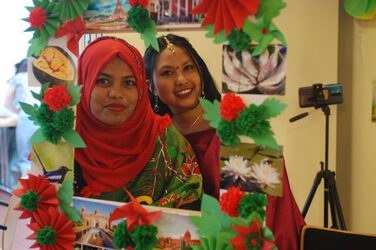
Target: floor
22, 231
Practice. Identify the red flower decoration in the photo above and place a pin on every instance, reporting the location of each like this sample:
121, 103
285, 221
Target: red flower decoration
250, 238
165, 122
226, 14
37, 18
73, 30
230, 106
57, 97
36, 193
164, 201
134, 213
88, 191
52, 230
230, 201
190, 166
143, 3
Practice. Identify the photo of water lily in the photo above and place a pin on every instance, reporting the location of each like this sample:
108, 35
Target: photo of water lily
252, 168
374, 102
247, 74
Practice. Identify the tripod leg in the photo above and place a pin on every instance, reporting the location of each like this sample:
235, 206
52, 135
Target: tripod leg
314, 187
332, 198
337, 201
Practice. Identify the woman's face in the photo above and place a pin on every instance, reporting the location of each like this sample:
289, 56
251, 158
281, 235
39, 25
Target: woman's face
114, 96
177, 80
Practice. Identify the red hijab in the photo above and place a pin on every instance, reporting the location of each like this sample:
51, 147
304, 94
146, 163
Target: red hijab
115, 154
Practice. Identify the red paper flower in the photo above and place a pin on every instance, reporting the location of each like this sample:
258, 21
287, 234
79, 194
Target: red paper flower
73, 30
88, 191
230, 106
57, 97
226, 14
190, 166
36, 193
37, 18
165, 122
230, 201
135, 214
250, 238
52, 230
143, 3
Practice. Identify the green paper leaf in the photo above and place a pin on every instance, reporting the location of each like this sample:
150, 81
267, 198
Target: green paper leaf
73, 138
264, 43
212, 112
254, 29
268, 234
37, 45
266, 140
207, 224
65, 196
75, 93
280, 37
28, 109
36, 95
211, 206
219, 38
37, 137
357, 8
270, 9
150, 35
273, 107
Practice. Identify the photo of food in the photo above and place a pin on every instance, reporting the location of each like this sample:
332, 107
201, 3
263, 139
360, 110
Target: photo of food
244, 73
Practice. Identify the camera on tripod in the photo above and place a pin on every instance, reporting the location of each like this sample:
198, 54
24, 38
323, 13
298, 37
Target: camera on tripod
319, 95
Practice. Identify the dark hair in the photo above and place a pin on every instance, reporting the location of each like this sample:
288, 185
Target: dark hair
21, 66
150, 58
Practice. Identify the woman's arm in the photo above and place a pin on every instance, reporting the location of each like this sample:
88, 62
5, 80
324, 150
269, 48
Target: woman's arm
9, 97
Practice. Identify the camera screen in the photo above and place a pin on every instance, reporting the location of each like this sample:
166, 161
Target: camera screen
318, 95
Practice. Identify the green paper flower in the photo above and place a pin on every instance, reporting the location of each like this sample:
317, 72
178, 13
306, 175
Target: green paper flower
70, 9
239, 40
44, 115
137, 17
227, 132
252, 202
46, 236
63, 120
144, 237
122, 239
251, 121
29, 201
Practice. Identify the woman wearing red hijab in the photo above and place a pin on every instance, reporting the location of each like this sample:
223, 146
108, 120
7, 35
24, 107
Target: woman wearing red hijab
129, 148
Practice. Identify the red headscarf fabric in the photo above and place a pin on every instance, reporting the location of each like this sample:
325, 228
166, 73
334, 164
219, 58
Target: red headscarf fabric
115, 154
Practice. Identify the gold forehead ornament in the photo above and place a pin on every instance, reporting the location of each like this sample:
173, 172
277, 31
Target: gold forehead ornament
170, 45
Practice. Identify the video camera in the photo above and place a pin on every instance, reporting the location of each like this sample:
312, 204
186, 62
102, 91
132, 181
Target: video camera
319, 95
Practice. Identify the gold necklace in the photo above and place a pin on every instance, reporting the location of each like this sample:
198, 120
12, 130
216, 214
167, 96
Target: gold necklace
196, 120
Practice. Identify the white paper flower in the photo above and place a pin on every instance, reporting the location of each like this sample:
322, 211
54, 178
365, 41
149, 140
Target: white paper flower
237, 167
265, 174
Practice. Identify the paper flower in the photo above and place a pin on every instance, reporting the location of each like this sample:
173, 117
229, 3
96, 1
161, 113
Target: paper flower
52, 230
55, 116
57, 97
253, 202
265, 174
227, 132
237, 168
37, 18
134, 213
144, 237
250, 237
143, 3
230, 106
230, 201
36, 193
166, 121
122, 238
226, 14
73, 30
87, 191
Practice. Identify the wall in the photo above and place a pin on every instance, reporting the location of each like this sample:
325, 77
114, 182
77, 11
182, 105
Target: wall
356, 132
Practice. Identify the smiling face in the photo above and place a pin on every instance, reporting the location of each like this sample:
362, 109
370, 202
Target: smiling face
114, 96
177, 80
